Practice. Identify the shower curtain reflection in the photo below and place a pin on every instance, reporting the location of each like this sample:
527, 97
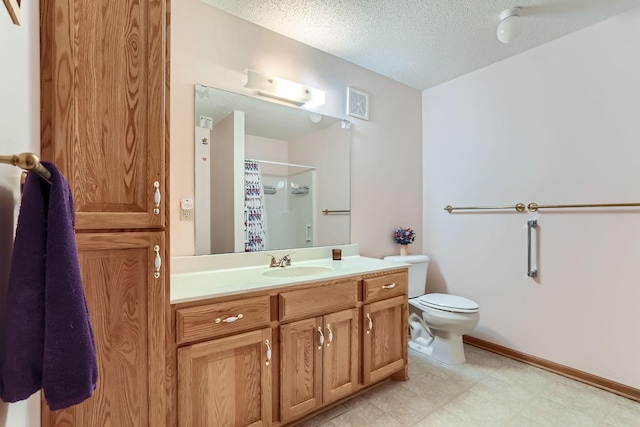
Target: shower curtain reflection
254, 214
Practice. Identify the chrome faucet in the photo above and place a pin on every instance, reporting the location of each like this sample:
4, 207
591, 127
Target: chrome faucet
285, 261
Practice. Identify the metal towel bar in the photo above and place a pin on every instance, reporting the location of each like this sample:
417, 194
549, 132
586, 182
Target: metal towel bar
343, 211
27, 161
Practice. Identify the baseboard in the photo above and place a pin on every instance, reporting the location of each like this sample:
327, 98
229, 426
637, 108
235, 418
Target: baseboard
565, 371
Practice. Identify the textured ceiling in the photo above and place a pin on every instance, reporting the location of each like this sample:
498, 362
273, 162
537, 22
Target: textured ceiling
420, 43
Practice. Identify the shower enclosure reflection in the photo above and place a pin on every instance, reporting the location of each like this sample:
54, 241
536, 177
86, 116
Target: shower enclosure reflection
264, 173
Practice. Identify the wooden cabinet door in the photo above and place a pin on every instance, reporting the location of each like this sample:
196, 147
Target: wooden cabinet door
341, 361
300, 367
225, 382
103, 107
127, 308
384, 338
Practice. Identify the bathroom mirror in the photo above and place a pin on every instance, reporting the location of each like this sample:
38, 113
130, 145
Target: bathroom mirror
267, 175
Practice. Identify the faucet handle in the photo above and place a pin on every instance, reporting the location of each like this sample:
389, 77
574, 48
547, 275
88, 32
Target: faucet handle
274, 262
287, 259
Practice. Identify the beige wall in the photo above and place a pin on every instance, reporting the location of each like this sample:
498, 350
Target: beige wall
213, 48
555, 125
19, 132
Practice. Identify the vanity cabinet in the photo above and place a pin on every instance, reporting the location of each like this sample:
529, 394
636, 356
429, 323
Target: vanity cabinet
327, 340
385, 338
226, 381
385, 324
319, 361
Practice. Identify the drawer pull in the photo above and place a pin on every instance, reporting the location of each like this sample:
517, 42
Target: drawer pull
321, 338
370, 326
389, 286
330, 337
268, 361
229, 319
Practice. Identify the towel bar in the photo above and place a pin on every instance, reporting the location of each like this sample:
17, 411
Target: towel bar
28, 161
343, 211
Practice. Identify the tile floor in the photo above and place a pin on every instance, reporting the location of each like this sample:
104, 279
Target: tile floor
489, 390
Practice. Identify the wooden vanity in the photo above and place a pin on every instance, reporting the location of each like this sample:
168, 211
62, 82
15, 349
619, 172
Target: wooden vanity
274, 356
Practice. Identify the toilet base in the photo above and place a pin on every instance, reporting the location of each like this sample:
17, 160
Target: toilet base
449, 351
421, 345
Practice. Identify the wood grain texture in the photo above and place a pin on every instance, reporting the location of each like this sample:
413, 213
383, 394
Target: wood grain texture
198, 323
300, 368
319, 300
383, 349
383, 287
103, 106
305, 379
225, 382
123, 299
341, 355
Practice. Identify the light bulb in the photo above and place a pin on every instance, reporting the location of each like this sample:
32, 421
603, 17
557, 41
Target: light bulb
510, 26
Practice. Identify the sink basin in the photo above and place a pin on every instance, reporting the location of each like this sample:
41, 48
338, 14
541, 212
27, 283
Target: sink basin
298, 271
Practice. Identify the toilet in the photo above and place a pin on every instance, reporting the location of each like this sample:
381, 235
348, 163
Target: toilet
437, 321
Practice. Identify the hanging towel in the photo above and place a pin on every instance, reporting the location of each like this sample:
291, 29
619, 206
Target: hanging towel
47, 339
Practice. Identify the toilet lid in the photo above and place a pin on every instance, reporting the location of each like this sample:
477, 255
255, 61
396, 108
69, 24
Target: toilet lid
449, 303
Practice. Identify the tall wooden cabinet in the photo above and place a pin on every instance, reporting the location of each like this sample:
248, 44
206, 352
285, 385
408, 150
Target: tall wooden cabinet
103, 123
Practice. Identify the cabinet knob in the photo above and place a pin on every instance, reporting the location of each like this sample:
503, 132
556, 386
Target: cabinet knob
389, 286
370, 326
330, 335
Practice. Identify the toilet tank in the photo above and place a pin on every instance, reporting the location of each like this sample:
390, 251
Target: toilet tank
417, 272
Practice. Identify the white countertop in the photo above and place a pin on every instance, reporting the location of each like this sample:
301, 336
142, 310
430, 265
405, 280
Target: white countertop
192, 286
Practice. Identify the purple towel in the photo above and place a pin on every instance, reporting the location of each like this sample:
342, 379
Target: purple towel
47, 338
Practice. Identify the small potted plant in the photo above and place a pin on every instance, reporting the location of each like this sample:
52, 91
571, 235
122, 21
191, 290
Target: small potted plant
404, 236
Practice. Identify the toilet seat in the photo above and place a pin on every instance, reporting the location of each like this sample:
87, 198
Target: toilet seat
448, 302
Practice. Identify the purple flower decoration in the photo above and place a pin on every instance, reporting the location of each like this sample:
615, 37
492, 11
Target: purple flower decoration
404, 236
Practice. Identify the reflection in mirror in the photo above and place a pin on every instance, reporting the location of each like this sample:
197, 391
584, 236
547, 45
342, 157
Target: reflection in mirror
265, 172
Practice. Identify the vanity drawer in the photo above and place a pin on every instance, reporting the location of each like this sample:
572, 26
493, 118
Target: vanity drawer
387, 286
213, 320
318, 300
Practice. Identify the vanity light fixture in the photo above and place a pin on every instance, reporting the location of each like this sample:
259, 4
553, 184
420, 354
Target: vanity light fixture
510, 26
284, 90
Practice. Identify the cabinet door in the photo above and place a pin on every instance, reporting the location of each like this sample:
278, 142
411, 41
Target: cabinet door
341, 361
301, 367
127, 308
226, 382
384, 338
103, 107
